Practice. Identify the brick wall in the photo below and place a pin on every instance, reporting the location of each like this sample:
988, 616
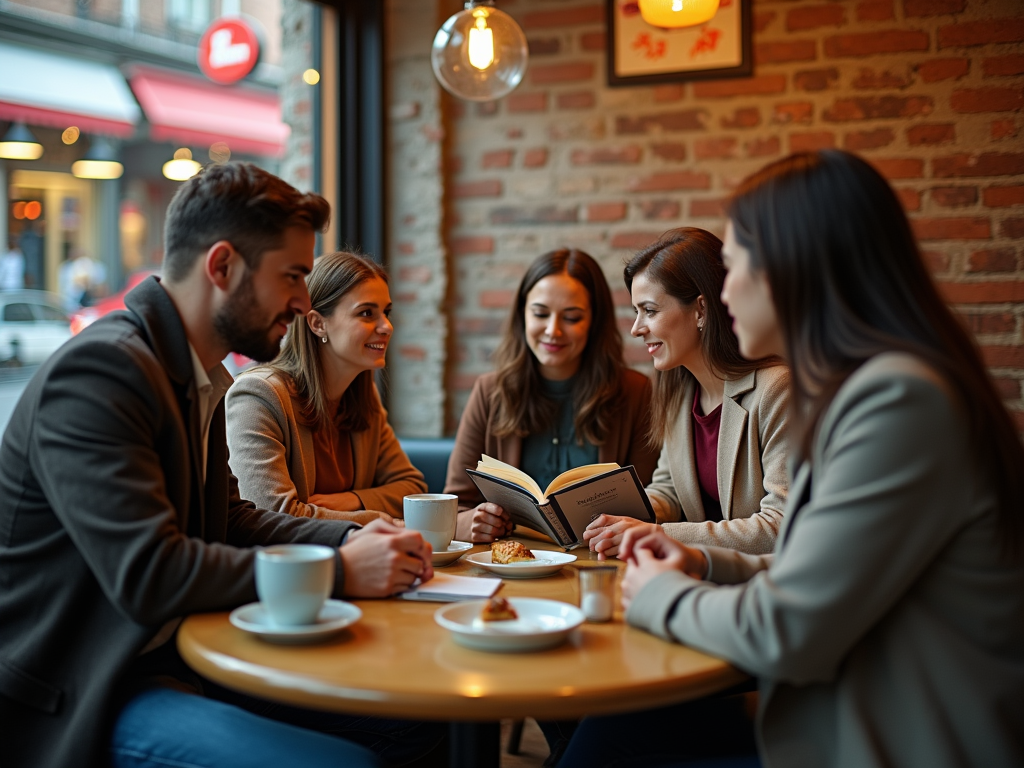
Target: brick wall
930, 91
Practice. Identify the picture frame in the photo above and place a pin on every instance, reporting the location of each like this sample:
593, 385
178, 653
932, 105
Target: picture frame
640, 54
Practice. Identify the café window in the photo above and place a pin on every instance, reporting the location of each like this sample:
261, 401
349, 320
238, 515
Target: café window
192, 15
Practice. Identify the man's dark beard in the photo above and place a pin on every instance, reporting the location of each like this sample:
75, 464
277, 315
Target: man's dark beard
238, 325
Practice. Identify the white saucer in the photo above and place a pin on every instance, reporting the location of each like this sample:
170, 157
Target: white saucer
541, 624
546, 563
334, 617
455, 550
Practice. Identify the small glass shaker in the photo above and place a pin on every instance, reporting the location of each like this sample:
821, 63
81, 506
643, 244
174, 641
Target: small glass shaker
597, 592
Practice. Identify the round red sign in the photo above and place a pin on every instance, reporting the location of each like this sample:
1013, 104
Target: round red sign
229, 50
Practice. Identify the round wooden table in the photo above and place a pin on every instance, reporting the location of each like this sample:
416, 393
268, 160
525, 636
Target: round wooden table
397, 662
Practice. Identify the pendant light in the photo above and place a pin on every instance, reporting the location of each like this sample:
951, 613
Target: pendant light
99, 162
20, 144
677, 13
480, 53
182, 167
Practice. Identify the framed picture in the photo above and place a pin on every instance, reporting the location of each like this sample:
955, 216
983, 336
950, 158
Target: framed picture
640, 54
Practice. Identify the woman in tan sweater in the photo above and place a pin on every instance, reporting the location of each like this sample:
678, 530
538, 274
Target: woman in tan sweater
307, 433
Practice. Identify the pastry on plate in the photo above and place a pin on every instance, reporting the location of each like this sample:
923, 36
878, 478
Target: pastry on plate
498, 609
508, 551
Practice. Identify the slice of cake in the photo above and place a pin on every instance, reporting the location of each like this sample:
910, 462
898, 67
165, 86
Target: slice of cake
498, 609
508, 551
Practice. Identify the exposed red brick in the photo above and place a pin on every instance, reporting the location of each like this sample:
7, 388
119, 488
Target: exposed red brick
669, 92
993, 260
910, 199
634, 240
869, 79
535, 158
929, 134
663, 182
473, 244
814, 16
936, 261
486, 108
815, 79
669, 150
985, 164
462, 382
499, 158
861, 140
405, 297
781, 52
763, 147
744, 117
484, 188
899, 168
962, 228
1003, 197
1012, 228
1002, 292
708, 208
935, 70
748, 86
576, 100
954, 197
722, 148
875, 10
990, 322
564, 17
1003, 66
987, 100
920, 8
629, 154
405, 248
605, 211
1001, 129
497, 298
811, 141
417, 274
1005, 357
1008, 389
543, 214
659, 210
763, 19
873, 43
796, 112
527, 102
514, 133
969, 33
547, 46
875, 107
478, 326
621, 298
412, 352
593, 41
567, 72
684, 120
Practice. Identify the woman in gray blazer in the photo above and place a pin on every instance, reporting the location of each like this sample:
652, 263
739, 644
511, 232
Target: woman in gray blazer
888, 627
720, 418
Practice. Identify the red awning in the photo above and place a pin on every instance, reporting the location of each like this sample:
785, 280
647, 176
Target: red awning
192, 111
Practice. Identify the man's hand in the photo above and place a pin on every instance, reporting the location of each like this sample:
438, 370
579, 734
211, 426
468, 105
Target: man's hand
652, 554
381, 559
605, 533
482, 524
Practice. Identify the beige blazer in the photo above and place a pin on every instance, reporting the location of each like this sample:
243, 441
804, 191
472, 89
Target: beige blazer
886, 630
752, 456
272, 453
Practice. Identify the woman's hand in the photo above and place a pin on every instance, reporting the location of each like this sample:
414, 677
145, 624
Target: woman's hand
341, 502
482, 524
605, 533
652, 554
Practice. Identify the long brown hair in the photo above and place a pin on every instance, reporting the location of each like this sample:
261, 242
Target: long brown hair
848, 283
687, 263
521, 407
333, 276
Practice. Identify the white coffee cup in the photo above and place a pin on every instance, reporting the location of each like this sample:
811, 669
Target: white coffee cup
433, 515
293, 581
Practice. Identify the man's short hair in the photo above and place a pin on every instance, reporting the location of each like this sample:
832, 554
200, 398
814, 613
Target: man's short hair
240, 203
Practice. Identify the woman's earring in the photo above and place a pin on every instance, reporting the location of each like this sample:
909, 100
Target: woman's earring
324, 338
700, 327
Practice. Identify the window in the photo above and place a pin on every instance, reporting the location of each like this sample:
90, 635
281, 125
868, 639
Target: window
18, 313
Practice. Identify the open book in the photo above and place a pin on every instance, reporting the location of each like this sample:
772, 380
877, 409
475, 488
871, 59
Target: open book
571, 501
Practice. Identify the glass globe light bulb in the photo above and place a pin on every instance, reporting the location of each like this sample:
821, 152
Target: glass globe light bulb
480, 53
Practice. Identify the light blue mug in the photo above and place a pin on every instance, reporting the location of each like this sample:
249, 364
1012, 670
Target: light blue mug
293, 581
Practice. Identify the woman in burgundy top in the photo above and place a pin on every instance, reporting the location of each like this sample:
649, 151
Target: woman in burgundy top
719, 419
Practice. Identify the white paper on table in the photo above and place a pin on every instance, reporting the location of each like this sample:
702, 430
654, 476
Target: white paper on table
446, 588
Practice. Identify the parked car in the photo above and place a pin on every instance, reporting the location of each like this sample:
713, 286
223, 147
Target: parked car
32, 325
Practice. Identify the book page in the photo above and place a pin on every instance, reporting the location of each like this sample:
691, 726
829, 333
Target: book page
495, 468
571, 476
618, 492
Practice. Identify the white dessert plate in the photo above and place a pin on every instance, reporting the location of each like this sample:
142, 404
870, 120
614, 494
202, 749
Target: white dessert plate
455, 550
335, 616
541, 624
547, 563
